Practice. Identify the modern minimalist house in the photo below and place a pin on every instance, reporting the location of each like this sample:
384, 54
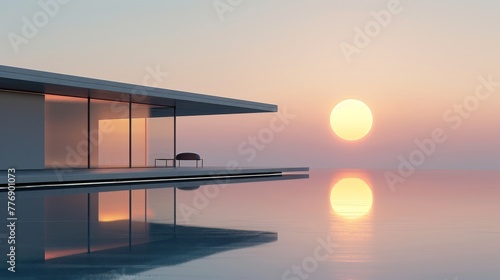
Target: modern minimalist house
95, 164
60, 130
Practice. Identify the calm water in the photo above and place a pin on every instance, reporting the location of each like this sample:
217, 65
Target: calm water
335, 225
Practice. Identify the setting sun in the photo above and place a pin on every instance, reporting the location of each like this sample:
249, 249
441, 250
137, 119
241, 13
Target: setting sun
351, 198
351, 119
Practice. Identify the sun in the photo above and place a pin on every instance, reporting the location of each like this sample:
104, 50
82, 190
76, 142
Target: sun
351, 119
351, 198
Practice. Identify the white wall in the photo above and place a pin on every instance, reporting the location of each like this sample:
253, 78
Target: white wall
22, 124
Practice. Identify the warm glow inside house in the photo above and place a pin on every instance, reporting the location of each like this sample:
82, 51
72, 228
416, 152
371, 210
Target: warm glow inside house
54, 123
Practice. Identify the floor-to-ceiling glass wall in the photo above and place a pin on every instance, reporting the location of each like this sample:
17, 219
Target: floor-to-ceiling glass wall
83, 132
140, 115
153, 135
65, 132
109, 124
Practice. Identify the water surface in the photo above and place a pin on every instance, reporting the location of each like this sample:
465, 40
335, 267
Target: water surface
335, 225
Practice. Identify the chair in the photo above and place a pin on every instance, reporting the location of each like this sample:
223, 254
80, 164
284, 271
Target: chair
189, 156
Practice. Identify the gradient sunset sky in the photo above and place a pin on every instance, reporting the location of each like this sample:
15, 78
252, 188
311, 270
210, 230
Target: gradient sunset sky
428, 58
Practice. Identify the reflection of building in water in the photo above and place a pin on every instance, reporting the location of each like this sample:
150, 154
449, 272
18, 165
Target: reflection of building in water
116, 229
53, 226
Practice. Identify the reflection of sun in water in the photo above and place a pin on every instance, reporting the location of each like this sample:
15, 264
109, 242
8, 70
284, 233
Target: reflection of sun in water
351, 198
351, 119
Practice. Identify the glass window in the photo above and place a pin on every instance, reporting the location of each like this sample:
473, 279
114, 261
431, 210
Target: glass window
109, 134
66, 143
152, 135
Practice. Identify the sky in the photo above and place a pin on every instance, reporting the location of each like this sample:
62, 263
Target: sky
416, 64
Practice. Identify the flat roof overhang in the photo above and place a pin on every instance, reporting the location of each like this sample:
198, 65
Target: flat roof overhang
186, 103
